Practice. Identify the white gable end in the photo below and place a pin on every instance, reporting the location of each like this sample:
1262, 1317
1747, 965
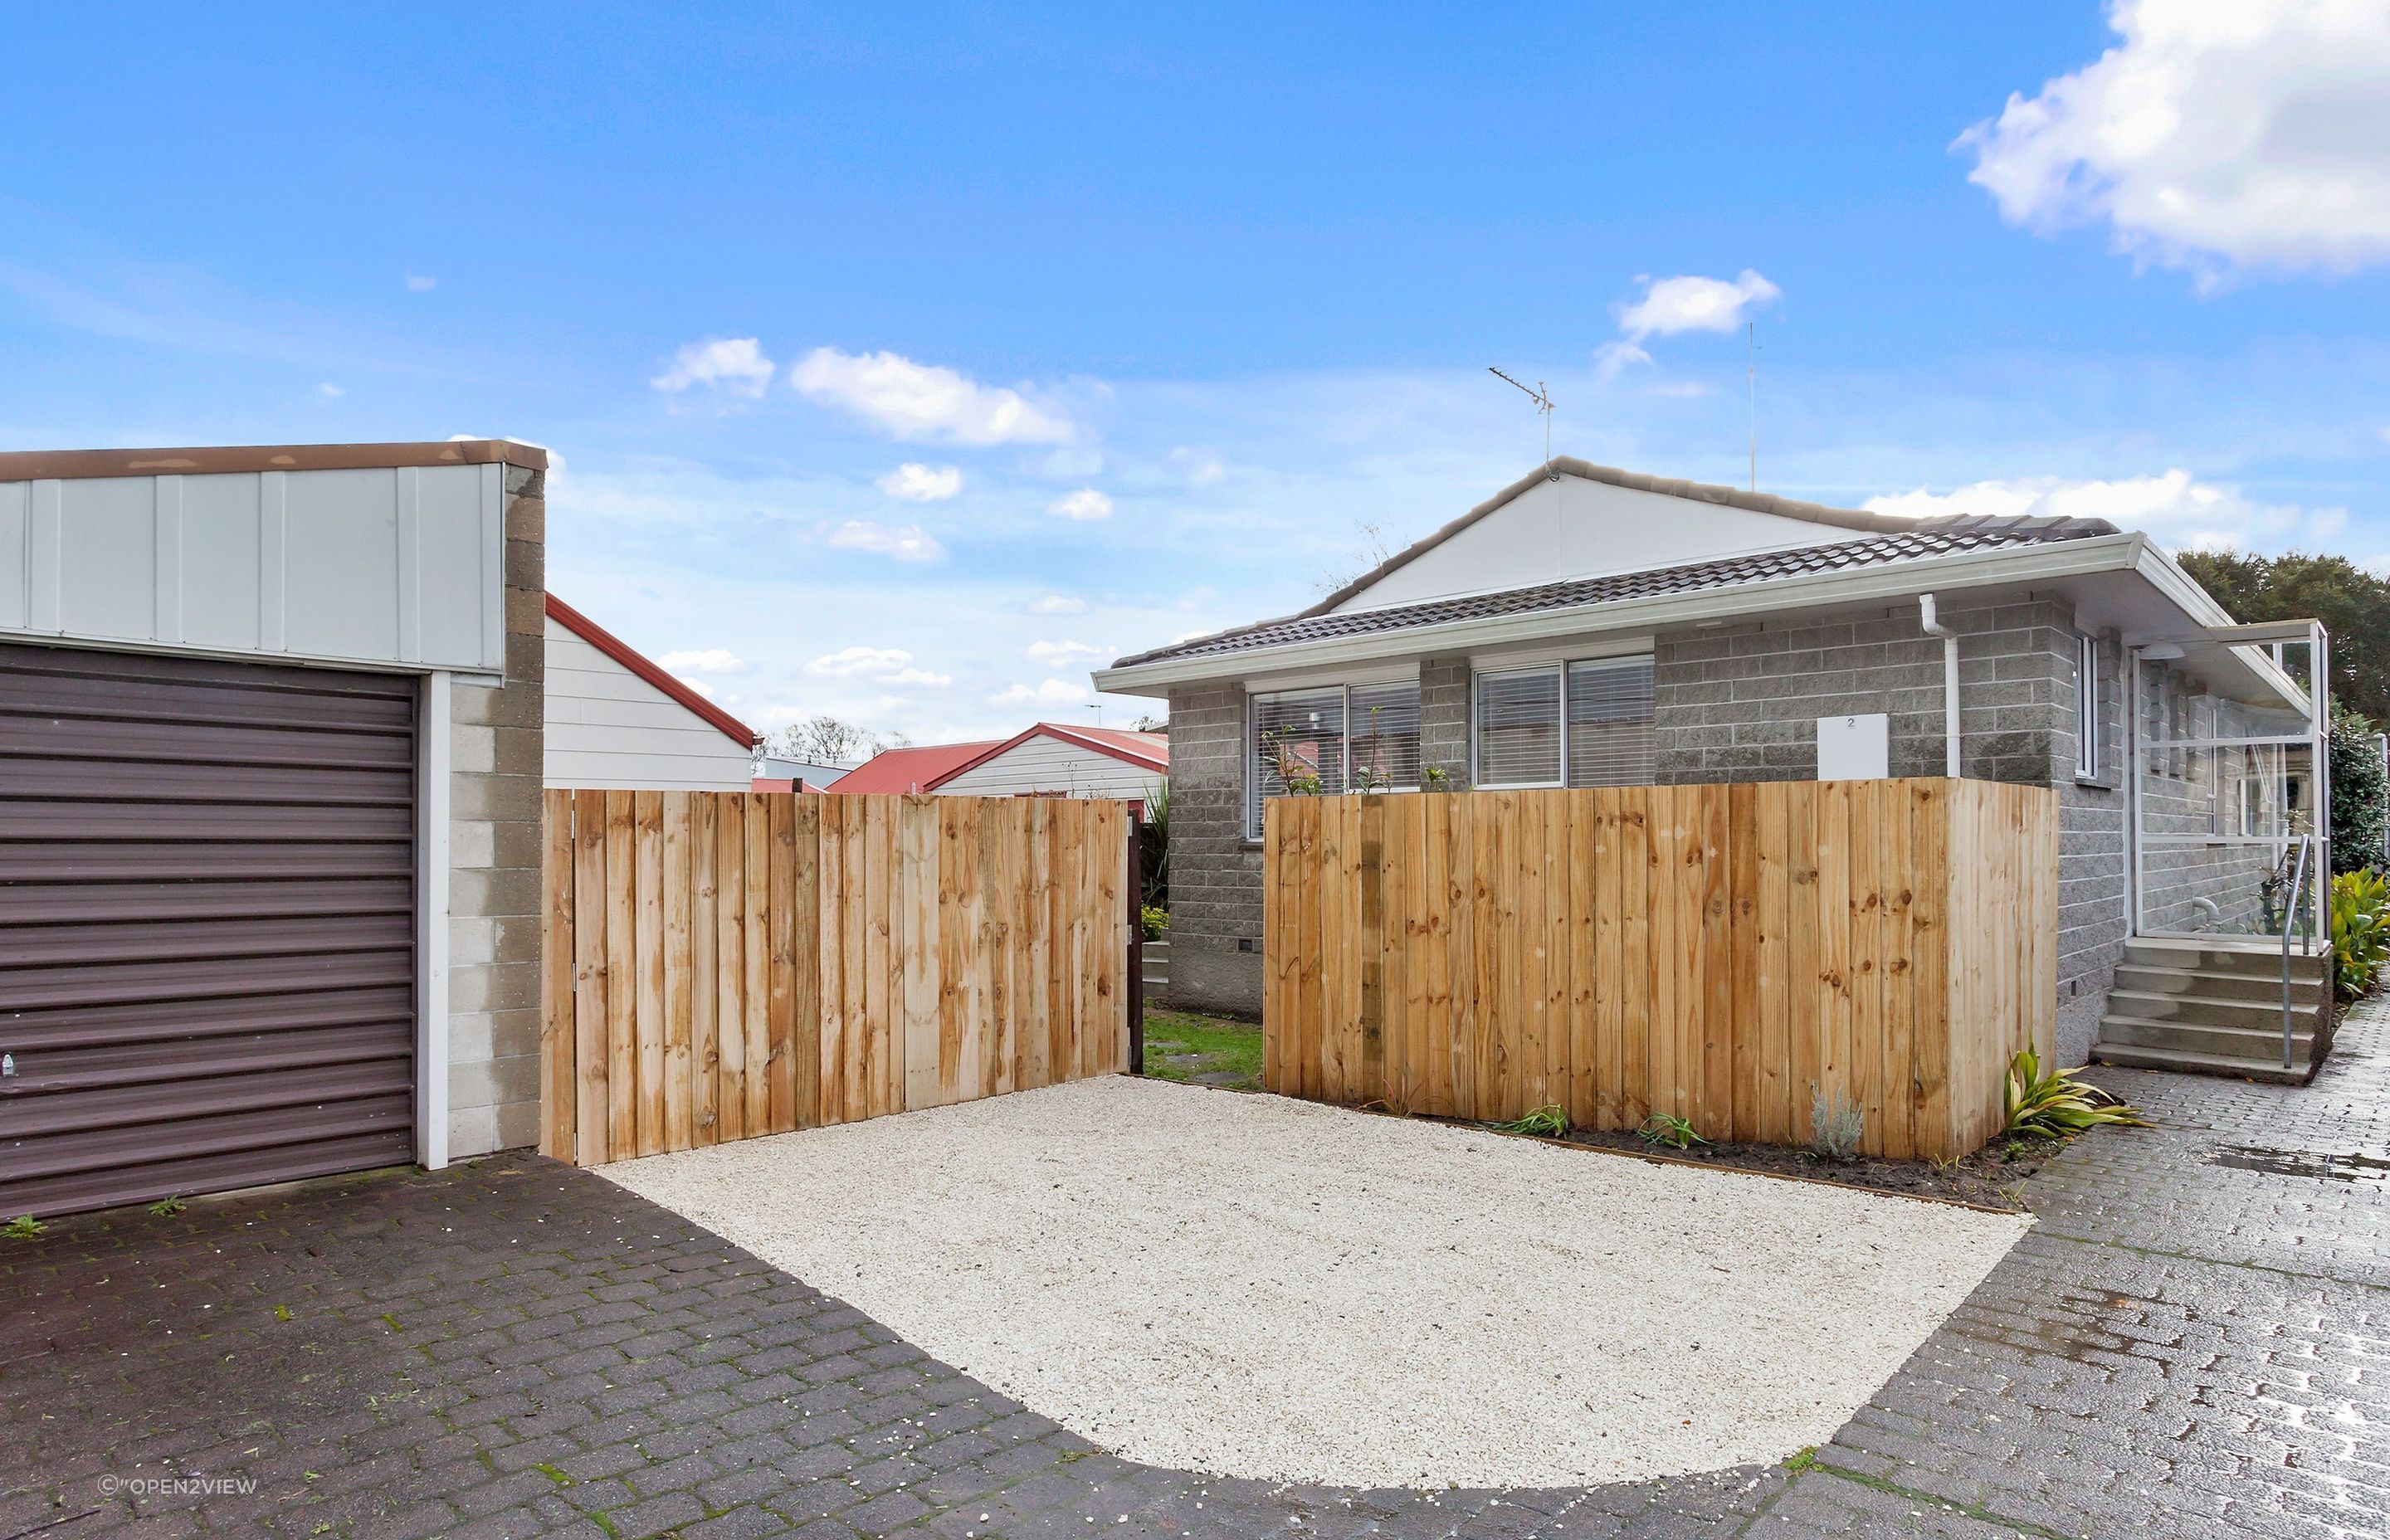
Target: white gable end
1053, 767
1576, 528
608, 729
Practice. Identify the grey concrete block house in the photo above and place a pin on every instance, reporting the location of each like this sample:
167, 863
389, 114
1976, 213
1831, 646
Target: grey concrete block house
1589, 626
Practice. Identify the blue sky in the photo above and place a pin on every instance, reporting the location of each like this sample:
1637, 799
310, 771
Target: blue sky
1165, 310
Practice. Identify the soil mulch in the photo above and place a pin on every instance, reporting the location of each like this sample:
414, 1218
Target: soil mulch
1989, 1179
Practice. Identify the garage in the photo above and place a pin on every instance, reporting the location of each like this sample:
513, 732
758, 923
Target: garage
270, 760
207, 925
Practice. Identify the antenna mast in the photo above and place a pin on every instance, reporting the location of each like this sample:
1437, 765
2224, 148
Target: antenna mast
1543, 400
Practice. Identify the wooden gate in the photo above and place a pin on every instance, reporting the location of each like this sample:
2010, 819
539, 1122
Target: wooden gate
1719, 953
723, 965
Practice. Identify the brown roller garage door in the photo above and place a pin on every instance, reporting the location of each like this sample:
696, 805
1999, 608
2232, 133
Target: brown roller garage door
207, 926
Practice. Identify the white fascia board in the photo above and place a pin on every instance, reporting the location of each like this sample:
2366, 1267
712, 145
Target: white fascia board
2009, 567
2163, 573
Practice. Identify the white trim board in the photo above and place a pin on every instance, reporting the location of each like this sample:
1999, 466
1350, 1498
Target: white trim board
434, 758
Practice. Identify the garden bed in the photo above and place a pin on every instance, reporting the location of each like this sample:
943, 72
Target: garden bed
1989, 1178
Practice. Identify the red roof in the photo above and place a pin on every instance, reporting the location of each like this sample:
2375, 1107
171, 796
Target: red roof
897, 770
621, 652
1147, 751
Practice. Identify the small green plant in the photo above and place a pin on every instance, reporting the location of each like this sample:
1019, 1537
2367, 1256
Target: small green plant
1435, 778
1805, 1460
1667, 1128
1836, 1124
1298, 775
1401, 1100
1546, 1121
1154, 920
23, 1227
2360, 931
167, 1207
2056, 1105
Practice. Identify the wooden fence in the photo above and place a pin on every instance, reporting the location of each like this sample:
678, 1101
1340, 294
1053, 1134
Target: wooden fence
1714, 951
723, 965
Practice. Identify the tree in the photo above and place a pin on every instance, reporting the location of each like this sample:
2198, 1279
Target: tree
824, 739
2361, 793
2353, 604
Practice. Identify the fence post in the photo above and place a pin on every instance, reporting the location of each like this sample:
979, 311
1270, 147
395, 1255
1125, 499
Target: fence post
1137, 938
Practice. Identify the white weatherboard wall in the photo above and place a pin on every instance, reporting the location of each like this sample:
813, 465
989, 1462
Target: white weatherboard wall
609, 729
391, 568
1053, 764
1574, 528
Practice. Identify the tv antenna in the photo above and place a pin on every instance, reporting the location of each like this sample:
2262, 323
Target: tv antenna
1543, 400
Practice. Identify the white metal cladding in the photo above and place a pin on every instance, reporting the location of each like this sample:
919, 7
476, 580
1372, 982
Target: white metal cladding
396, 568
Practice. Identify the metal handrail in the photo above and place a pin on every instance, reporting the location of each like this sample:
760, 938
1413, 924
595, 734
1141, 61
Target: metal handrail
2297, 908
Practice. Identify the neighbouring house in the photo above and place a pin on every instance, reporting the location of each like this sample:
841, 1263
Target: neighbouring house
270, 821
1047, 759
780, 773
1059, 759
1587, 626
617, 722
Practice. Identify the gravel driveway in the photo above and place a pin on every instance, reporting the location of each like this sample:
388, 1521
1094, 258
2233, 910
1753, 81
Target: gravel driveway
1258, 1287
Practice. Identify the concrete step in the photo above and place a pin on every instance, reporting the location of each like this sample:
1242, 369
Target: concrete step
2206, 1010
2247, 962
2193, 1037
2185, 1062
2142, 979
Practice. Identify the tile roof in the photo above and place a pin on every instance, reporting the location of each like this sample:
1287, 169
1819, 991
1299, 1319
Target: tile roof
1925, 539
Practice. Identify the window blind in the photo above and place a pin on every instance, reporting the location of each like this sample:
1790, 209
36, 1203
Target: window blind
1385, 735
1610, 723
1519, 727
1298, 736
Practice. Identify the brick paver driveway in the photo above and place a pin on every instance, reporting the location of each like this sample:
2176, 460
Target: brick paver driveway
2193, 1342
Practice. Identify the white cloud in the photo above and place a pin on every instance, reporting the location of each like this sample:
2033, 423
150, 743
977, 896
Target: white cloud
1046, 692
882, 665
904, 542
2218, 133
1202, 466
1063, 654
915, 482
1084, 504
2181, 510
732, 363
712, 660
1681, 305
699, 686
1057, 604
330, 391
924, 400
417, 283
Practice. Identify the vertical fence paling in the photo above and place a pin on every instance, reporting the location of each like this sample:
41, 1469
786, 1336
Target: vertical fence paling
723, 965
1714, 951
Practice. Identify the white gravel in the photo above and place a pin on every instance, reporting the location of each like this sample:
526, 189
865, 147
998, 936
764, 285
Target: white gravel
1252, 1286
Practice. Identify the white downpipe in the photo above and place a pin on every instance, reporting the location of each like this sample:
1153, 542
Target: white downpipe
1949, 679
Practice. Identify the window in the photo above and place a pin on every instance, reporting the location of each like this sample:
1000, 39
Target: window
2089, 729
1610, 723
1588, 724
1519, 727
1361, 737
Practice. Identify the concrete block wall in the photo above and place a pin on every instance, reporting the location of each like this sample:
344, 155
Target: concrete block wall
1216, 872
2092, 854
493, 859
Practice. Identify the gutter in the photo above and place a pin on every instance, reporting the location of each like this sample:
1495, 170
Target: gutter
1889, 584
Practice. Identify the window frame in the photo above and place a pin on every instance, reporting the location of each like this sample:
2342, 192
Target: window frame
1256, 811
1563, 666
2090, 728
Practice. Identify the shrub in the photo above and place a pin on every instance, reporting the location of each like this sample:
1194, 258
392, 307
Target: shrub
1836, 1124
1546, 1121
2361, 929
23, 1227
1667, 1128
2360, 794
2056, 1105
1154, 920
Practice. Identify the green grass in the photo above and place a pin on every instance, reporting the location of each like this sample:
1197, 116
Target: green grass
1234, 1048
